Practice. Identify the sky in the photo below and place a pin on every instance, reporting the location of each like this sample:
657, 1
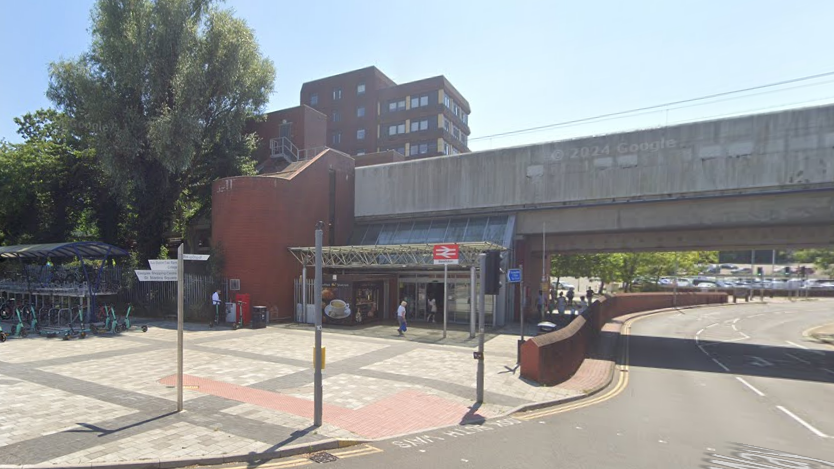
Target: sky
520, 64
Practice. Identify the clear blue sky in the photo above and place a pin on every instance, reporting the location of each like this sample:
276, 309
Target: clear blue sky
520, 64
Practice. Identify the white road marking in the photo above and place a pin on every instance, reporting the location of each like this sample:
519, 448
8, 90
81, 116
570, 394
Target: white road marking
804, 423
761, 394
759, 361
736, 320
805, 348
798, 359
699, 332
712, 325
828, 371
721, 364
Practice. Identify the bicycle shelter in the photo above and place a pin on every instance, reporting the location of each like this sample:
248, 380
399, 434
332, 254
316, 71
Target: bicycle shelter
44, 284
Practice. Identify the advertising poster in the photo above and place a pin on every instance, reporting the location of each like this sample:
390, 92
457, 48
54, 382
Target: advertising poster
367, 299
335, 299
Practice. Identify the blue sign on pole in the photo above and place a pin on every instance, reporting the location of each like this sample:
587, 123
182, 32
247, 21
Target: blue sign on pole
514, 275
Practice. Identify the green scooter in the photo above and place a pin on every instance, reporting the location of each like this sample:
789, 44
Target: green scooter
125, 325
20, 330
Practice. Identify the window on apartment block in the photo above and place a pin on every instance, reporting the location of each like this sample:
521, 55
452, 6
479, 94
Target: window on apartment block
336, 116
360, 111
419, 101
360, 134
360, 88
447, 125
395, 105
337, 138
396, 129
417, 126
446, 148
314, 99
337, 94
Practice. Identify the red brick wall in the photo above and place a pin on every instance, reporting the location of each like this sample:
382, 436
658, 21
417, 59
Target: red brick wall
553, 358
256, 218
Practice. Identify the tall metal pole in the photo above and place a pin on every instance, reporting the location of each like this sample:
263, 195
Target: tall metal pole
773, 267
180, 282
481, 321
521, 303
473, 302
445, 296
544, 271
304, 292
675, 294
317, 355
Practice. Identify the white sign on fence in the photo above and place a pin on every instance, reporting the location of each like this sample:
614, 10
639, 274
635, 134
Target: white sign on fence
169, 265
156, 275
195, 257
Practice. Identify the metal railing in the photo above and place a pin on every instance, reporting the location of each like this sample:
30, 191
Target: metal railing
282, 147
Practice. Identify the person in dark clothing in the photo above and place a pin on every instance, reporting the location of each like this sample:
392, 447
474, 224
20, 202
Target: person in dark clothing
590, 295
570, 296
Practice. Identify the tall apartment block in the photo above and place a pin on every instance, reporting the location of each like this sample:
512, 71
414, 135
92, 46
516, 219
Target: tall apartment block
363, 112
367, 112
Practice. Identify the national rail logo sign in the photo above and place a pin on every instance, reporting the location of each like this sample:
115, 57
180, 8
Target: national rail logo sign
448, 254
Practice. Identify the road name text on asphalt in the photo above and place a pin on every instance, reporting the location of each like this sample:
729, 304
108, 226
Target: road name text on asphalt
456, 432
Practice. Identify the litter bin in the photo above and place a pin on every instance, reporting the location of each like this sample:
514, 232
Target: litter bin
231, 313
259, 317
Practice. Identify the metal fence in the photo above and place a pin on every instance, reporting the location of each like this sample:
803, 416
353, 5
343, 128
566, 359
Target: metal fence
298, 294
197, 290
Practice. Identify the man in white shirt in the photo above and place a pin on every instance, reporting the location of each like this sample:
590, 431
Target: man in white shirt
401, 318
432, 309
215, 300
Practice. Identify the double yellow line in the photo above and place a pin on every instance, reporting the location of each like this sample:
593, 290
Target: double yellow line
364, 450
622, 382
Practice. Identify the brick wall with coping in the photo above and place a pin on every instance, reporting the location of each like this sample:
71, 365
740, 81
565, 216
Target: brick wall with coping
554, 357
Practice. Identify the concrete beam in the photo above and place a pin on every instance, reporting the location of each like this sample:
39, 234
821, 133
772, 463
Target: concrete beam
723, 239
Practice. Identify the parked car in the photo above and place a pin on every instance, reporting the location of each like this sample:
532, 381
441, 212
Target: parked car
729, 266
742, 270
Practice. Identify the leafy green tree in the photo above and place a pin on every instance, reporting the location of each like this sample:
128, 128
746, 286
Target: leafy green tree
821, 258
162, 95
52, 188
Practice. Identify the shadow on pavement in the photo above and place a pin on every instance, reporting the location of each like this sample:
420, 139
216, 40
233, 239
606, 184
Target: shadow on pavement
104, 432
746, 358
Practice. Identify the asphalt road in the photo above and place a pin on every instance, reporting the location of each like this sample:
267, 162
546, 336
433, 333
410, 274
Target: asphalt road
695, 386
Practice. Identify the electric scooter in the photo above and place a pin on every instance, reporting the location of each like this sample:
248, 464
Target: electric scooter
125, 325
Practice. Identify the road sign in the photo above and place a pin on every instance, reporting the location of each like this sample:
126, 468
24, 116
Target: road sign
168, 265
446, 254
195, 257
156, 275
514, 275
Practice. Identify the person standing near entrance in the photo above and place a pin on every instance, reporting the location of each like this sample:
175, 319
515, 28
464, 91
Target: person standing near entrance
589, 294
215, 301
561, 303
432, 309
401, 318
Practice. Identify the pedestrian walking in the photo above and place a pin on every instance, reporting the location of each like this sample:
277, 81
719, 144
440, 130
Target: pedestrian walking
401, 318
432, 309
215, 301
570, 296
561, 302
590, 295
540, 305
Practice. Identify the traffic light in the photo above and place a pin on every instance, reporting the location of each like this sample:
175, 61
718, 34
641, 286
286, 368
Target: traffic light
802, 271
759, 271
492, 275
787, 270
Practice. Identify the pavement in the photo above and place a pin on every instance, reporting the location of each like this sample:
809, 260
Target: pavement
111, 401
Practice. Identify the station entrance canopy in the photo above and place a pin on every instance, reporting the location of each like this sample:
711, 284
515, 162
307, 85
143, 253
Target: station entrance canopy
390, 256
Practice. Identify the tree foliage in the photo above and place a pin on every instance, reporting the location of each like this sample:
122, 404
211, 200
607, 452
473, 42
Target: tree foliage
628, 267
52, 189
821, 258
162, 96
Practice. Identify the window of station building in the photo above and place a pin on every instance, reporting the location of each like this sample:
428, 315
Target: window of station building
337, 94
336, 116
314, 99
396, 129
446, 148
360, 88
396, 105
447, 124
337, 137
360, 134
492, 229
417, 126
360, 111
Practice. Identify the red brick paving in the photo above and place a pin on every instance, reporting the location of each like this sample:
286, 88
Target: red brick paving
404, 412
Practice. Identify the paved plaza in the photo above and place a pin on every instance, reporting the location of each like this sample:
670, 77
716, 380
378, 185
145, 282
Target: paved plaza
108, 399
